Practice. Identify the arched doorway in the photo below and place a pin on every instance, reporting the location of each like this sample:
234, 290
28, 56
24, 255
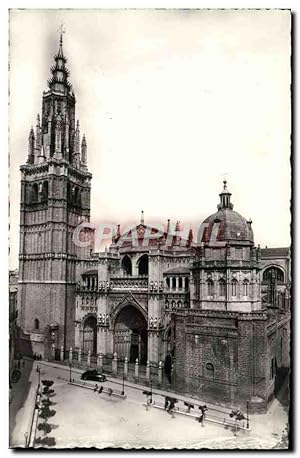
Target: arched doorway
89, 335
130, 335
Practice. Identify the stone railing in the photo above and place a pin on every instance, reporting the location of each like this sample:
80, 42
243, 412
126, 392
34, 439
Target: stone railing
133, 283
226, 263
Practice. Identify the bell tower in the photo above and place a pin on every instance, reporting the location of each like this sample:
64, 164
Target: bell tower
55, 198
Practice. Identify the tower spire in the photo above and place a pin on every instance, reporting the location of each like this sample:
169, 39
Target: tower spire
142, 217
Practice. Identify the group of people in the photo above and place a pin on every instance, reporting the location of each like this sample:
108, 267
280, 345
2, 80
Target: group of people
37, 356
100, 389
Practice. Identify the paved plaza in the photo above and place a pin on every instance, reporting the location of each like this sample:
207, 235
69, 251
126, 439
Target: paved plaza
85, 418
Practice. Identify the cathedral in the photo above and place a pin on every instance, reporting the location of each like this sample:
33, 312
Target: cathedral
213, 306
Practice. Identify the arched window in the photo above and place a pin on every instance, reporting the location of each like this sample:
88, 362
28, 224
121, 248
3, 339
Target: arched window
273, 272
36, 324
222, 288
34, 193
233, 287
126, 265
187, 283
245, 288
179, 304
44, 196
180, 283
143, 265
173, 283
168, 282
210, 371
173, 304
167, 304
210, 287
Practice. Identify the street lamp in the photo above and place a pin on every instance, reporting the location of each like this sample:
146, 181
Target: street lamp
70, 365
247, 425
39, 372
123, 385
150, 391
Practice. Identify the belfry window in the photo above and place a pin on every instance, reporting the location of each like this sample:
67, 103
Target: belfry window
36, 324
34, 193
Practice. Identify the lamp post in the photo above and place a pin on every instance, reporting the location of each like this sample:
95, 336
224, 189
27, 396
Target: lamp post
247, 424
39, 372
123, 384
70, 366
150, 391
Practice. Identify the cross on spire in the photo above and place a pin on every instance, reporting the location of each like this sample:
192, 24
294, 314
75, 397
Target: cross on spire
61, 29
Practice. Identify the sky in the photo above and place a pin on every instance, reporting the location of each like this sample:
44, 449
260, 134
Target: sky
170, 101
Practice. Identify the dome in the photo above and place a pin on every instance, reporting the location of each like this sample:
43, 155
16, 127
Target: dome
226, 224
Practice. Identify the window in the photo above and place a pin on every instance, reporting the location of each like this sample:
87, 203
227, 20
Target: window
143, 265
168, 282
126, 265
233, 287
180, 283
187, 283
210, 371
222, 287
173, 283
36, 324
273, 273
34, 193
210, 287
245, 288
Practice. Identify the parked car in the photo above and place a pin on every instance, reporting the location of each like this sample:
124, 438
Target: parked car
93, 375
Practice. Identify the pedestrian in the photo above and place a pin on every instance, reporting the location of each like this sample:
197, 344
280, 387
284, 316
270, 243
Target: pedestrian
167, 399
96, 388
100, 389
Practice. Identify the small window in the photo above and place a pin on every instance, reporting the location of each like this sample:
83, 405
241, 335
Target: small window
36, 324
210, 371
245, 288
233, 287
222, 288
180, 283
210, 287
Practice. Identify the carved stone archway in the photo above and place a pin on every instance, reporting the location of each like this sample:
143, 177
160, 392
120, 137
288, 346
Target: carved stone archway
130, 334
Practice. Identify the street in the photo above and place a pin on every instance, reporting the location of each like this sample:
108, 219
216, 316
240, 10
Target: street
86, 419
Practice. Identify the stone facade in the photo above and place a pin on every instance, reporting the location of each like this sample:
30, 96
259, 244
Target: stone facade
214, 310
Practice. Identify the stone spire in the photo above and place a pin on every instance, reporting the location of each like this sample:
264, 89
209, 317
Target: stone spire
84, 152
225, 198
190, 237
76, 155
142, 217
31, 142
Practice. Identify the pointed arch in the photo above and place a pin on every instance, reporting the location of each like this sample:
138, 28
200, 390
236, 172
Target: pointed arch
126, 265
142, 264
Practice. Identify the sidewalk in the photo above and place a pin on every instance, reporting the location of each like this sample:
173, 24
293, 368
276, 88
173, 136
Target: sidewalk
22, 405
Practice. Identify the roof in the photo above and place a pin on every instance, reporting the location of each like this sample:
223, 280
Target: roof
229, 224
275, 252
91, 272
177, 270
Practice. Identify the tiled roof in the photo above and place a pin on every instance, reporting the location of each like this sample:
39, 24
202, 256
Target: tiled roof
273, 252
